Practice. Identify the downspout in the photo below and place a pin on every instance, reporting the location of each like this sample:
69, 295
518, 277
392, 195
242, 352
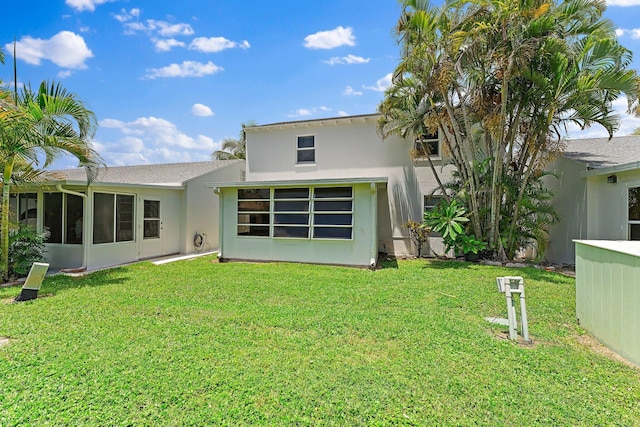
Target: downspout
374, 226
85, 229
217, 191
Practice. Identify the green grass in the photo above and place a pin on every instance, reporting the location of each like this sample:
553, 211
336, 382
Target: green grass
202, 343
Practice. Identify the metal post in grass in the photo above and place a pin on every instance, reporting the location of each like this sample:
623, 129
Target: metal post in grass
512, 286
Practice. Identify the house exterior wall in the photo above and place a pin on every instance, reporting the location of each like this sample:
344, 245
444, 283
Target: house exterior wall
570, 200
608, 205
357, 251
201, 208
350, 148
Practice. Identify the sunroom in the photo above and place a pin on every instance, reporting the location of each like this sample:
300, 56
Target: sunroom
324, 221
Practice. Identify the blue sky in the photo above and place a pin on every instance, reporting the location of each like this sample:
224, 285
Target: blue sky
170, 80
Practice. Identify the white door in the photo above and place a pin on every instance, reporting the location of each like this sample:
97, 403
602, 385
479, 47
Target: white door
150, 227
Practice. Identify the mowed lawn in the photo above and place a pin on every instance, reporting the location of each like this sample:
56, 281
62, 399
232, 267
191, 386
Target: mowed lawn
202, 343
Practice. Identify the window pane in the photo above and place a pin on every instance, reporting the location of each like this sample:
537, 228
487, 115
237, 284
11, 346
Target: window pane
151, 229
253, 193
13, 206
103, 217
332, 219
253, 230
291, 193
306, 156
426, 146
634, 204
332, 205
74, 218
291, 219
28, 209
294, 206
253, 219
297, 232
332, 233
258, 206
306, 141
151, 209
53, 217
430, 202
332, 192
124, 218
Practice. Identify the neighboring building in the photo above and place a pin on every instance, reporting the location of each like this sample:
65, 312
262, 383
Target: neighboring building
326, 191
597, 194
128, 213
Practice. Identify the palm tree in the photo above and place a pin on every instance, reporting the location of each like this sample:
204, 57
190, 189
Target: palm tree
500, 81
233, 148
37, 127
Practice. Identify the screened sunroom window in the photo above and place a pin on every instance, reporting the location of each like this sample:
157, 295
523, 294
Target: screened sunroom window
634, 213
113, 216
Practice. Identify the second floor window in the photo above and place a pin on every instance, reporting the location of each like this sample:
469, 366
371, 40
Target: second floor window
427, 144
306, 150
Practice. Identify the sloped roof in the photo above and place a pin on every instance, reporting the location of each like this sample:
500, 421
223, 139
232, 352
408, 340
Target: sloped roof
170, 174
599, 153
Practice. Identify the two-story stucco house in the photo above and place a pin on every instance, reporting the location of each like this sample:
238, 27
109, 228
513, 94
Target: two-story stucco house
325, 191
333, 191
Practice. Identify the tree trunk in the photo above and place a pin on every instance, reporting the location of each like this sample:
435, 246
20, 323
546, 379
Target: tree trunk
4, 237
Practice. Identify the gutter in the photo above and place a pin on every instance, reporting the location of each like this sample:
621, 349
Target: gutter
85, 230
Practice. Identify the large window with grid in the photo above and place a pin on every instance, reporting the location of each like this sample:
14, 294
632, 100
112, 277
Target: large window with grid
296, 213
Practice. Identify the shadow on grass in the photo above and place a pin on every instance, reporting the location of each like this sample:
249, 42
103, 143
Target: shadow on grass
59, 283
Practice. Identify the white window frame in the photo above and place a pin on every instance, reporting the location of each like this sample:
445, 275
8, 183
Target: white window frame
305, 149
431, 138
115, 219
631, 222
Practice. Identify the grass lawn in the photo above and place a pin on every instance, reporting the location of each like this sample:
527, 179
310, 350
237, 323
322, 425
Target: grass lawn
202, 343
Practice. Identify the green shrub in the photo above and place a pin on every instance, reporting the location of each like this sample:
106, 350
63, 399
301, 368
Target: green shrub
26, 246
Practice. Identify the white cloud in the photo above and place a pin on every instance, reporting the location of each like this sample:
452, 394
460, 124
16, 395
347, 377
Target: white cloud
64, 74
330, 39
349, 59
350, 92
306, 112
635, 32
152, 140
342, 113
201, 110
165, 45
216, 44
623, 3
89, 5
162, 28
381, 85
65, 49
186, 69
125, 16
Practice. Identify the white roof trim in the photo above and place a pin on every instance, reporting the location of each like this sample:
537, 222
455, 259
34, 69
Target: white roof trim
317, 122
297, 183
611, 169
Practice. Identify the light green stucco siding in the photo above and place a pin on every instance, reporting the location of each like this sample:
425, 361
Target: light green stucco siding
608, 294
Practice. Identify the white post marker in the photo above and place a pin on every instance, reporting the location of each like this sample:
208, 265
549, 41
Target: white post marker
510, 285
